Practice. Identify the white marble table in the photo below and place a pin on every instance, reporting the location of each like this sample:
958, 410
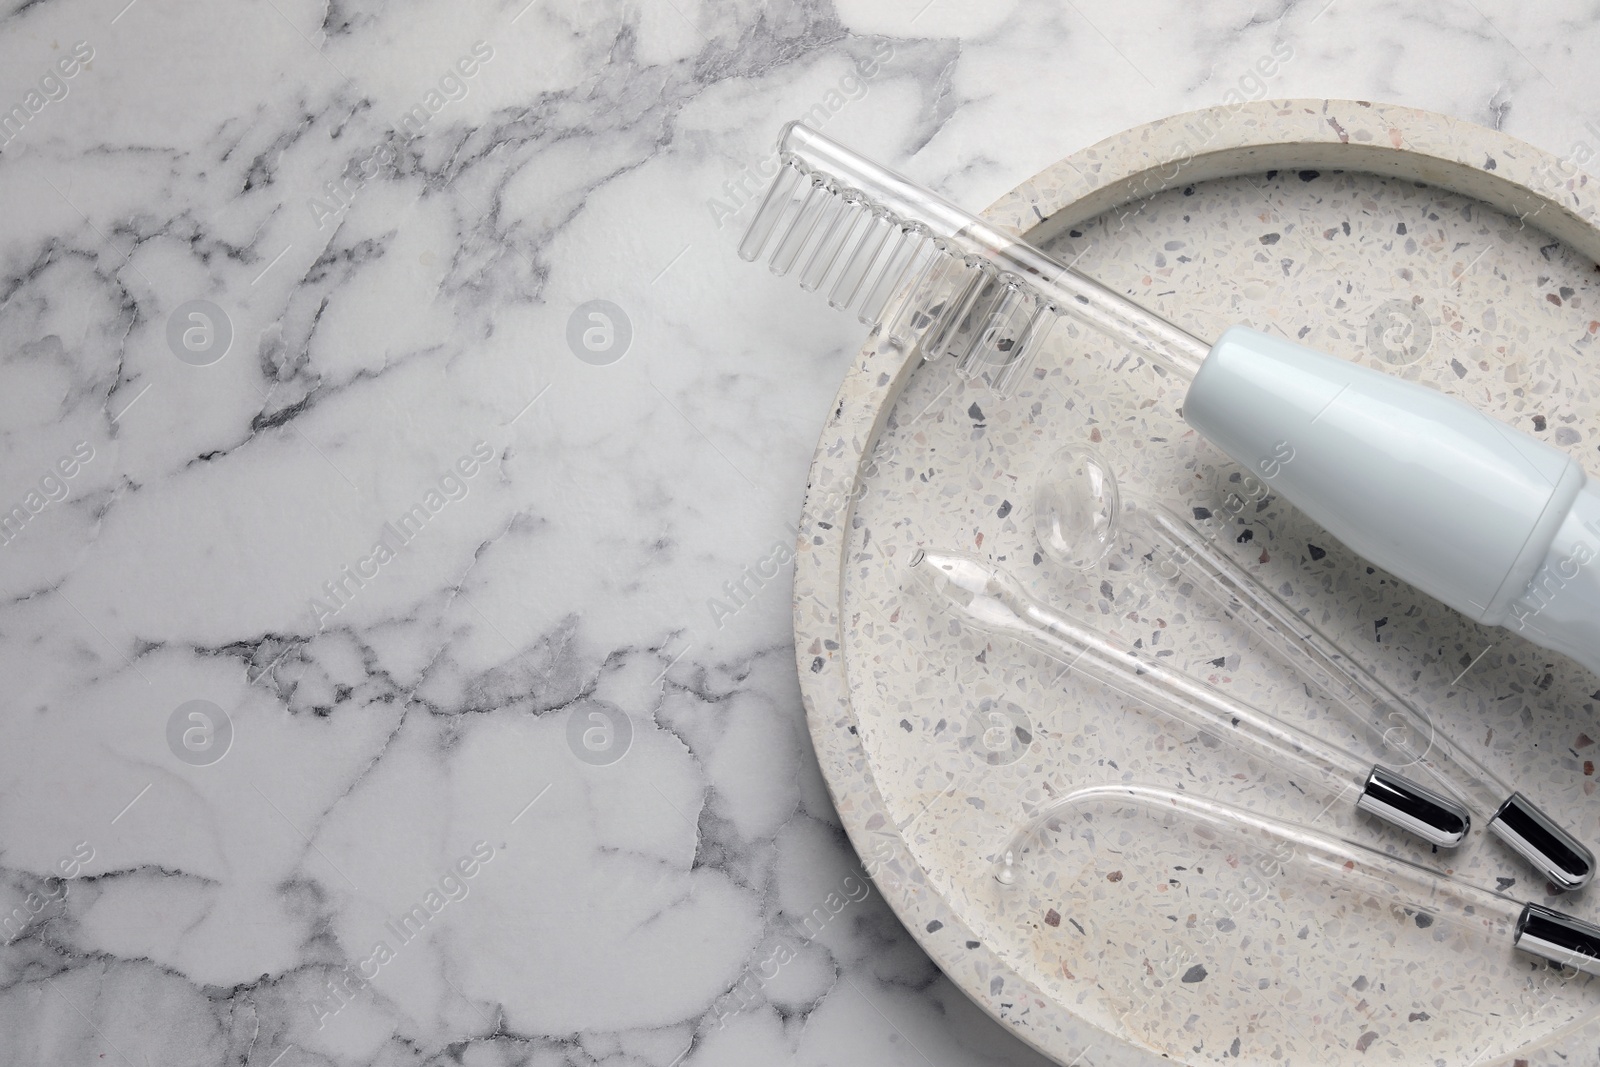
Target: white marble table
398, 659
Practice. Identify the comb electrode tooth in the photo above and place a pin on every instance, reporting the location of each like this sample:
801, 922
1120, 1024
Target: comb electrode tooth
986, 325
792, 242
779, 195
829, 222
924, 305
902, 258
966, 342
855, 266
956, 311
898, 317
879, 264
1033, 337
852, 213
961, 283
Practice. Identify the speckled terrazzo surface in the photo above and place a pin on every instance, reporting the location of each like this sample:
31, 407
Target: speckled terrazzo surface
1148, 942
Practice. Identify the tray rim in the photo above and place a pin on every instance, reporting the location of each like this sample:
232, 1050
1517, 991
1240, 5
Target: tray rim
1519, 179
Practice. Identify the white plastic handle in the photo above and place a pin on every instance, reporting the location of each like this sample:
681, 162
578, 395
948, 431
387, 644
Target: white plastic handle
1469, 510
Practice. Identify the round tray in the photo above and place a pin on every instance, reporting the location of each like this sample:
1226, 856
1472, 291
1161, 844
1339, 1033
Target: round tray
1321, 221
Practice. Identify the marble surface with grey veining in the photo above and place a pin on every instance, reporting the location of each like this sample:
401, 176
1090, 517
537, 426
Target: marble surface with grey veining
396, 640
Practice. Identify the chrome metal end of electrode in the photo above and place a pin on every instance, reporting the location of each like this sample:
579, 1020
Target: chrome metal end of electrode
1431, 816
1535, 837
1559, 938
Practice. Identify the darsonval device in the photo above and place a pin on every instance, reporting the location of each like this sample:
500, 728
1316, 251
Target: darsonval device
1493, 522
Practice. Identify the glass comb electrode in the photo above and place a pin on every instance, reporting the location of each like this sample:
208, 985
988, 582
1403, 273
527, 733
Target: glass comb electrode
994, 602
1510, 815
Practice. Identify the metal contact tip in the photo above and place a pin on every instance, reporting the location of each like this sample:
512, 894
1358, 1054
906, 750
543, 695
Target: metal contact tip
1559, 938
1431, 816
1538, 839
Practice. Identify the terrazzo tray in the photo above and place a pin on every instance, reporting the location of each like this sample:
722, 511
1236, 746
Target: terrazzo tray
1428, 247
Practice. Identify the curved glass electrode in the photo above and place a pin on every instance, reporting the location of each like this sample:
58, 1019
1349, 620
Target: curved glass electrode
1203, 924
1278, 846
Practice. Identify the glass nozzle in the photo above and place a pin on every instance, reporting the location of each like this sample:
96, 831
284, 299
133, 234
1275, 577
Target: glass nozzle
995, 602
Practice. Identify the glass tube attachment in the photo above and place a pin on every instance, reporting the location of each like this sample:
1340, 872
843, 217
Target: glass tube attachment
1368, 700
996, 603
1289, 847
